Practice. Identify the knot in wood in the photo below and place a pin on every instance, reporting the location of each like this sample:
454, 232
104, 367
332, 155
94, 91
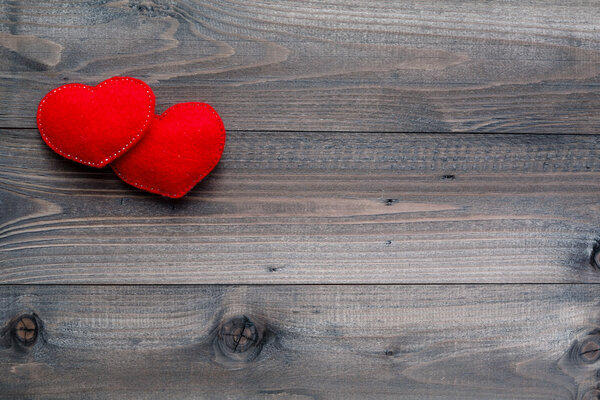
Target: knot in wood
589, 350
238, 335
25, 330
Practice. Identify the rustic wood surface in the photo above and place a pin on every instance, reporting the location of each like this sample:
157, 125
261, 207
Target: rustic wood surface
313, 208
408, 205
432, 66
318, 342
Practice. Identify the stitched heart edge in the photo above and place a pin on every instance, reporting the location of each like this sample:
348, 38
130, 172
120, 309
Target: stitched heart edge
113, 156
202, 175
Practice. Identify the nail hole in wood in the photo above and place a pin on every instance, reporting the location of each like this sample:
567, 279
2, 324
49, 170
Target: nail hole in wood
25, 330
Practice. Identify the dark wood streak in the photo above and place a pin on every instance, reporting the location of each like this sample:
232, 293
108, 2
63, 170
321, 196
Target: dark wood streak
511, 66
313, 208
410, 342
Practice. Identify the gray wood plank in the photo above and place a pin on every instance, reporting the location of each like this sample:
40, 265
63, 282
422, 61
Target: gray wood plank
313, 208
500, 66
318, 342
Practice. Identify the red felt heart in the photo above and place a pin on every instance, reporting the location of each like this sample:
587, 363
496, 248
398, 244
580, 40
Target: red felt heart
180, 148
93, 125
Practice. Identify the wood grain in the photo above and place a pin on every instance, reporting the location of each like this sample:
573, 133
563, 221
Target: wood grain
315, 207
427, 66
482, 251
408, 342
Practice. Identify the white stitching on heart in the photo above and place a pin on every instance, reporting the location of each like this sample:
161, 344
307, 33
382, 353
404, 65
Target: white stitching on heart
203, 174
91, 88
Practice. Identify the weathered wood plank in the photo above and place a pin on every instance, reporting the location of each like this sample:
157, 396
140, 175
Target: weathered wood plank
409, 342
313, 208
500, 66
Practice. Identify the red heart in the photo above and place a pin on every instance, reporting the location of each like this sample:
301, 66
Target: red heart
93, 125
180, 148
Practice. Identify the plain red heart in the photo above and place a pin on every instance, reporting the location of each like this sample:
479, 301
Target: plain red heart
94, 125
180, 148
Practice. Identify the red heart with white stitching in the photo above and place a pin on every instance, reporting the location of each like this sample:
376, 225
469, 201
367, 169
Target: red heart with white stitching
94, 125
180, 148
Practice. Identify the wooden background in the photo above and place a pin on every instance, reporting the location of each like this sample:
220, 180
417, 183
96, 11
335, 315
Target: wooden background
408, 205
